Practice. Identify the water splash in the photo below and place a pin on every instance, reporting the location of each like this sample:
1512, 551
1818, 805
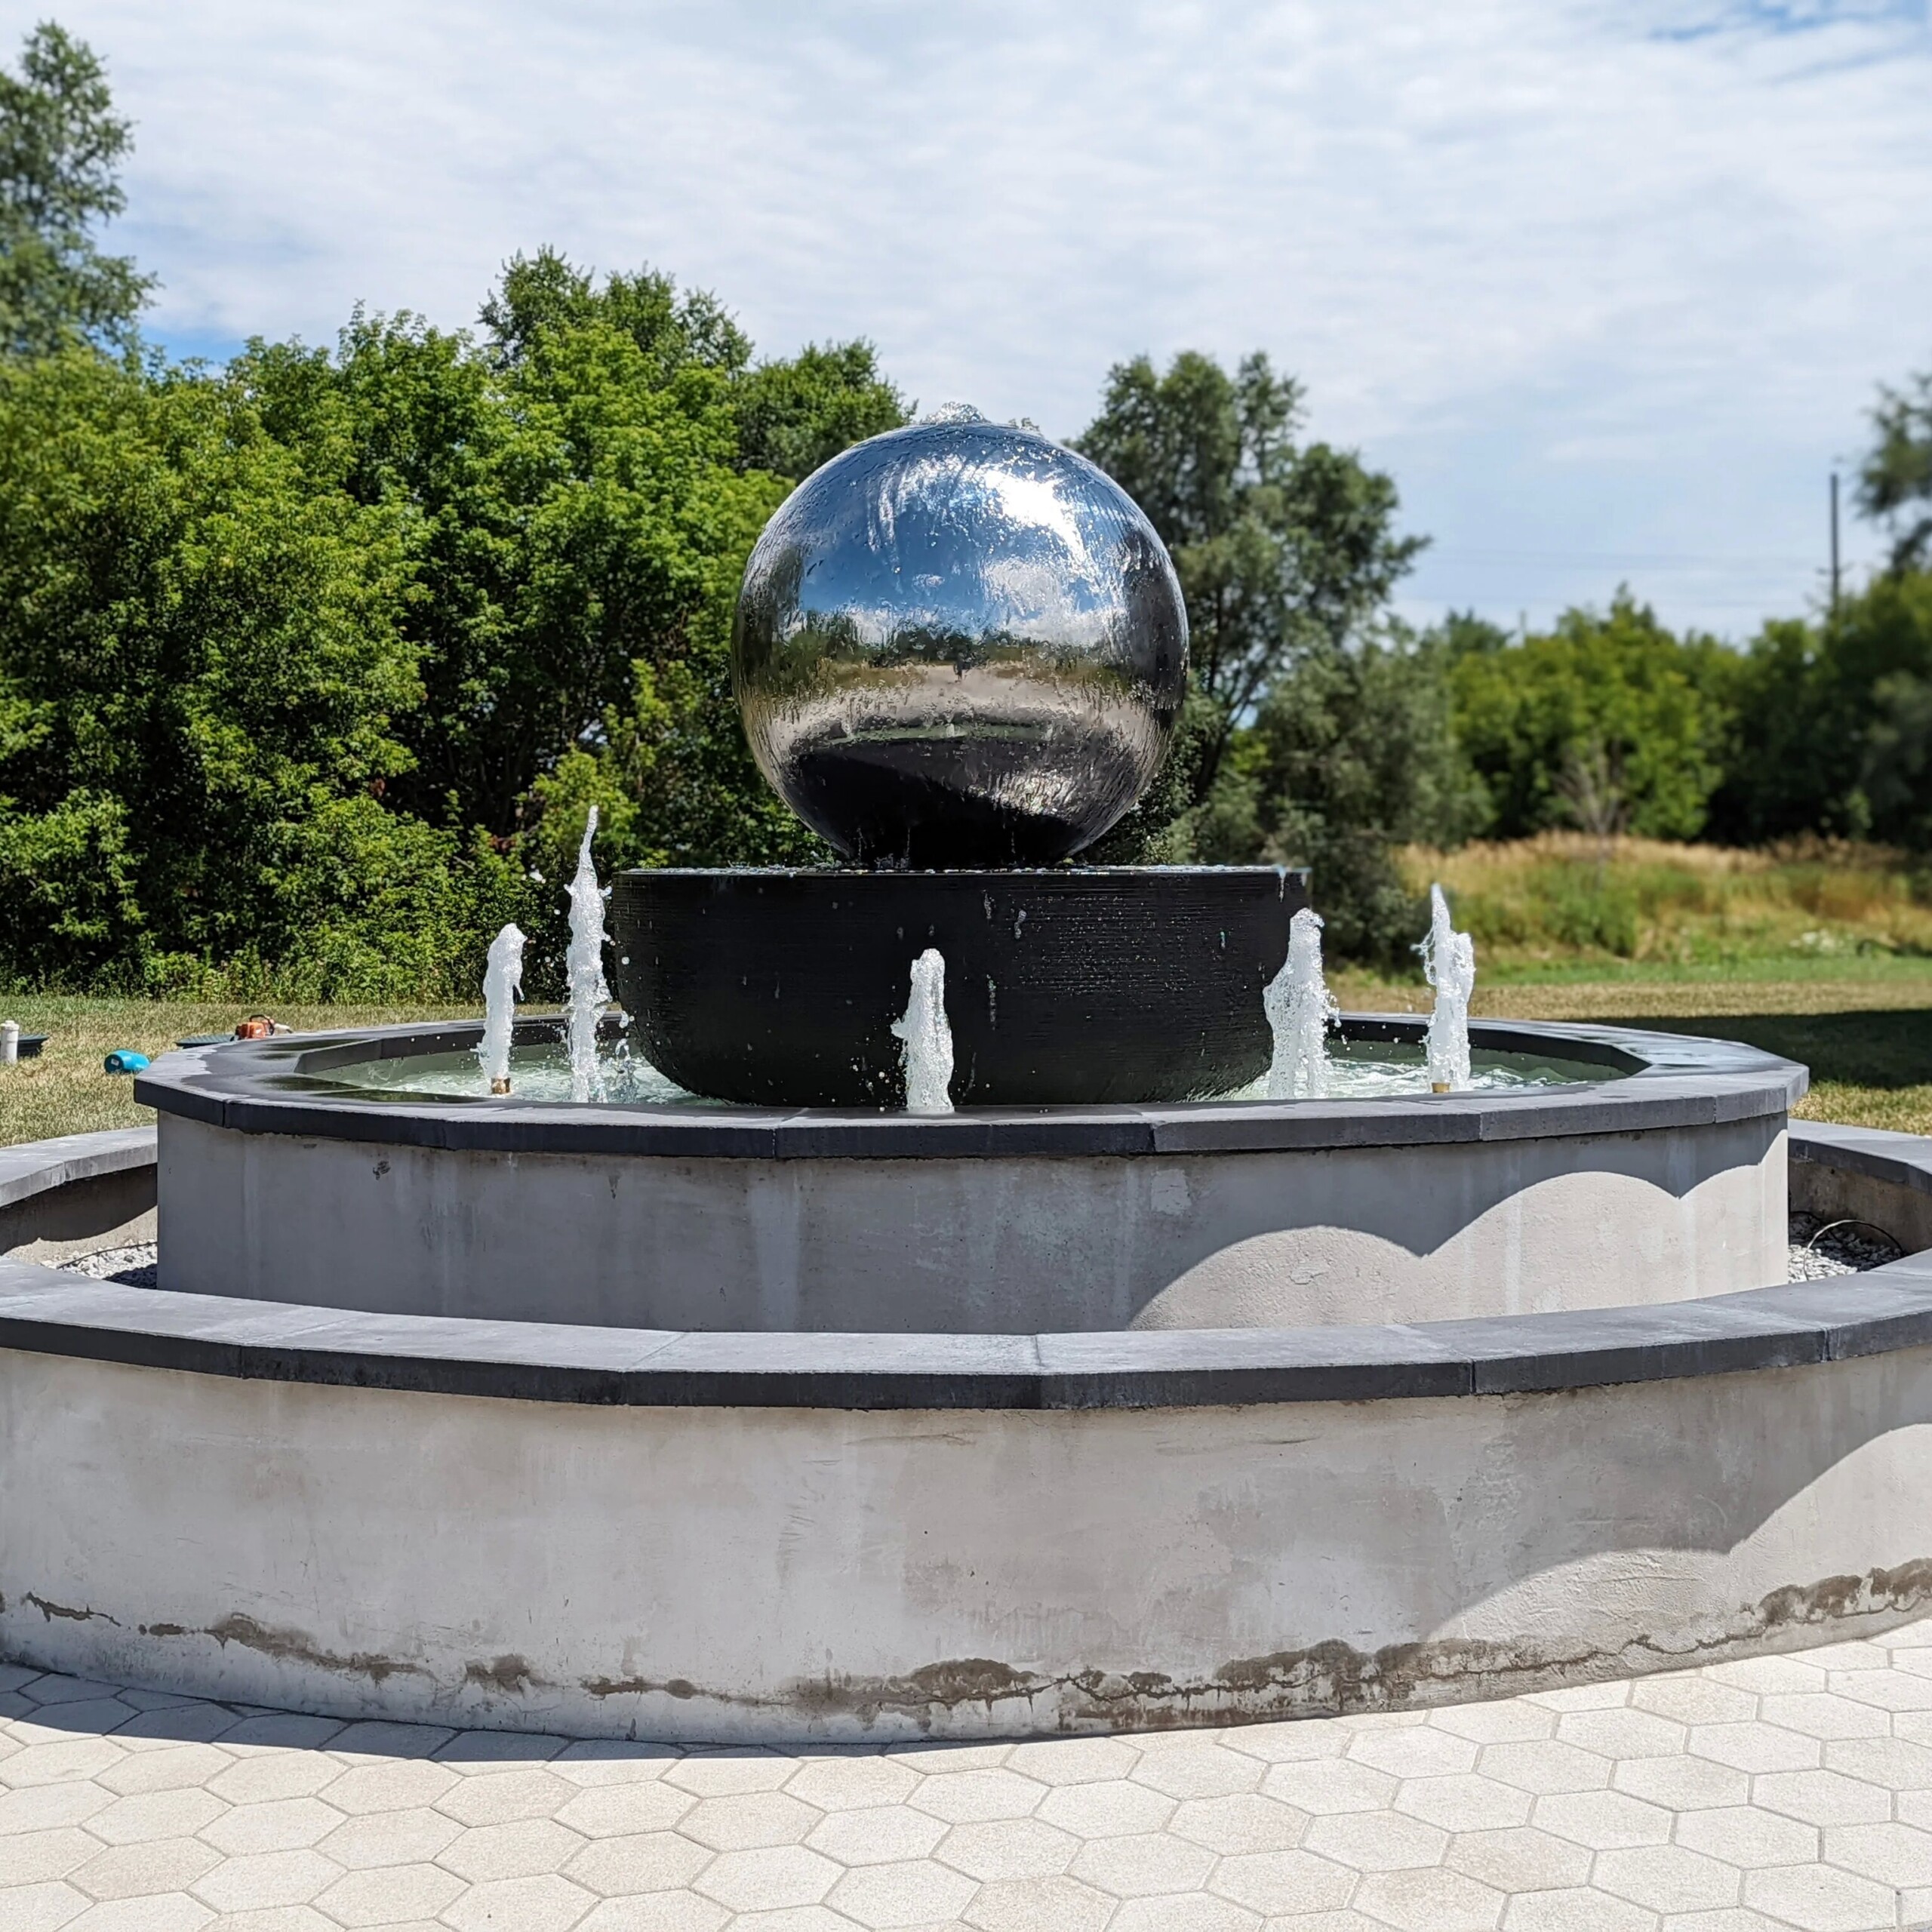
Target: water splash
1449, 965
1300, 1010
584, 961
926, 1039
502, 982
952, 412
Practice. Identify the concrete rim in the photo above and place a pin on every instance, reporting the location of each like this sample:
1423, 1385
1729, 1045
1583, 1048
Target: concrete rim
1653, 1080
1788, 1325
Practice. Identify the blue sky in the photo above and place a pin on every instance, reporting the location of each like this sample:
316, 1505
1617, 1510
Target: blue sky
1607, 284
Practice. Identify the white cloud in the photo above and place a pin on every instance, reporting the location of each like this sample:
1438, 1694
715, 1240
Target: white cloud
1608, 285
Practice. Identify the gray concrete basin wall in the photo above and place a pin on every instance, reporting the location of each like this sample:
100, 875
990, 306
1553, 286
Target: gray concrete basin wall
743, 1535
1665, 1181
790, 1573
983, 1244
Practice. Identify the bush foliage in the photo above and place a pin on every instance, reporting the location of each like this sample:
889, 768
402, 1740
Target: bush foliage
310, 666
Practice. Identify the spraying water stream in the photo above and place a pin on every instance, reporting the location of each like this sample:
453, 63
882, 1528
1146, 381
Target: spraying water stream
1449, 965
584, 963
926, 1040
1301, 1010
1312, 1059
503, 981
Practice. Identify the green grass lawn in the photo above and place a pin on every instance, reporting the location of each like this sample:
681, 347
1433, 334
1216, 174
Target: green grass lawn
1863, 1026
65, 1092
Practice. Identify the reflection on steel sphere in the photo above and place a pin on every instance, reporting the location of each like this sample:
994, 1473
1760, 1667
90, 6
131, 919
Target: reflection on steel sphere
959, 645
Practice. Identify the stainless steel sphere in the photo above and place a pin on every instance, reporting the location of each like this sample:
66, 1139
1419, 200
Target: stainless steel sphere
959, 645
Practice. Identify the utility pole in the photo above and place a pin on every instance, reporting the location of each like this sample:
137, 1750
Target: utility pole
1835, 543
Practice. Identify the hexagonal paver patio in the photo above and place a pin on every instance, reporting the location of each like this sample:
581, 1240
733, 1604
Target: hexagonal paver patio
1789, 1794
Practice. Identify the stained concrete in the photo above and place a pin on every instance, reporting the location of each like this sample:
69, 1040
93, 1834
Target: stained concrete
1572, 1497
775, 1574
1656, 1805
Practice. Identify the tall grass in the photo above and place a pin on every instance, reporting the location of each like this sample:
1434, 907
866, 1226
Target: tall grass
1569, 896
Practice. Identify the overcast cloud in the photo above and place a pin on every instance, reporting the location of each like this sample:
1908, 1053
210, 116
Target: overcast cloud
1607, 286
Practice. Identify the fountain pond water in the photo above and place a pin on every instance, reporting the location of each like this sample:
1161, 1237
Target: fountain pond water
1355, 1066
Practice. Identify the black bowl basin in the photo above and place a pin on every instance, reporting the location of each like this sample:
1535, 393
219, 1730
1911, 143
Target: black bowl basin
1071, 985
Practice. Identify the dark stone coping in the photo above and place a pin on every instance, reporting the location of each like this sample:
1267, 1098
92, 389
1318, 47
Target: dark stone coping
41, 1166
1653, 1080
1791, 1325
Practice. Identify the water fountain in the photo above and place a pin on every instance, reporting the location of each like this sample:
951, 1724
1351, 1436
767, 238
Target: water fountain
584, 965
502, 985
890, 1332
926, 1038
1300, 1011
960, 651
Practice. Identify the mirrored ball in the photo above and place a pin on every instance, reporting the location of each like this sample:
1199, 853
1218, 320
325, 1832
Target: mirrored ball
959, 645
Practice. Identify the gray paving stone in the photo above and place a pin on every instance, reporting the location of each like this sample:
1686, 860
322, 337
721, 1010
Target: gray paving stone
1789, 1794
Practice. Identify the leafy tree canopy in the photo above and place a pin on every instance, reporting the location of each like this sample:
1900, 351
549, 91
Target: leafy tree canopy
202, 659
1314, 732
1350, 756
578, 504
1282, 547
1829, 722
320, 659
61, 145
1608, 721
795, 415
1895, 483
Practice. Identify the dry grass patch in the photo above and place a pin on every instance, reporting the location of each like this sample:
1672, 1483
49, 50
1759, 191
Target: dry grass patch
1565, 896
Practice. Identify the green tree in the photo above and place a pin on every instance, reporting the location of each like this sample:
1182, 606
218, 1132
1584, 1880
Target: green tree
1283, 548
311, 668
1831, 726
202, 661
1350, 756
1313, 733
61, 145
1829, 722
1895, 482
1608, 721
796, 414
545, 296
578, 506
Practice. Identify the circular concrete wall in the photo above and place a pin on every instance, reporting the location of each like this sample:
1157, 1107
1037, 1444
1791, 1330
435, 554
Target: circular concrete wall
1665, 1181
741, 1535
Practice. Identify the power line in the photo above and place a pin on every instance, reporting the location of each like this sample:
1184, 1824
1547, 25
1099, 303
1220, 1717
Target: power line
1835, 543
1656, 560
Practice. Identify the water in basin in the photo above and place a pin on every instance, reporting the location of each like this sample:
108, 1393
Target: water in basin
1358, 1070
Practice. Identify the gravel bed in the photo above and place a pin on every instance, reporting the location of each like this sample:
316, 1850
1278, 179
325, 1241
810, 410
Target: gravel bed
1818, 1248
134, 1265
